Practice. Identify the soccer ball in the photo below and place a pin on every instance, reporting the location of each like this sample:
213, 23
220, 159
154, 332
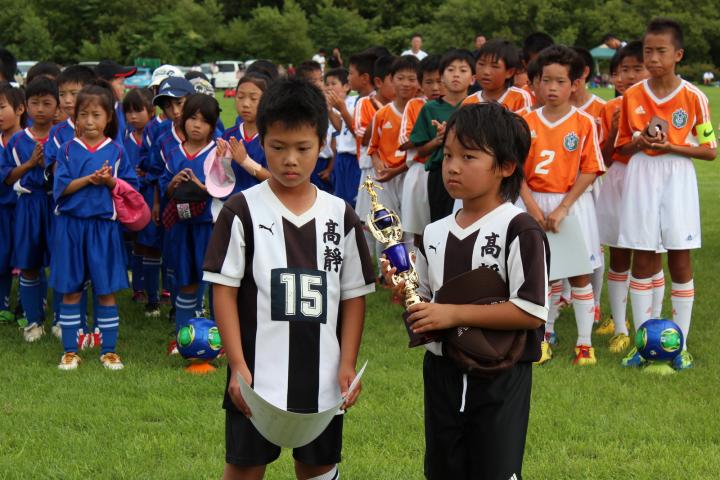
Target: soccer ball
199, 339
659, 339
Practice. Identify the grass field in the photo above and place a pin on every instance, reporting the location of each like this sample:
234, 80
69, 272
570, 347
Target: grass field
153, 421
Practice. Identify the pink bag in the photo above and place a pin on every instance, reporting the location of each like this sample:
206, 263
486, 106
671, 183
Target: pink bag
132, 211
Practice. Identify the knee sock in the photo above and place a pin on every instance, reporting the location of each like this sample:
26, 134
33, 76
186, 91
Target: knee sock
597, 282
151, 278
69, 321
57, 301
641, 297
333, 474
185, 307
107, 321
200, 303
566, 290
84, 307
31, 299
682, 297
617, 295
170, 286
43, 289
5, 288
658, 283
136, 267
584, 307
553, 311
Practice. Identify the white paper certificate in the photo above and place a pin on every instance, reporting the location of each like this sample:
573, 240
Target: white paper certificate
569, 255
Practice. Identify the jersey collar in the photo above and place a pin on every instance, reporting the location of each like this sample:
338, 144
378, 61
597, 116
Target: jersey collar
462, 233
199, 152
297, 220
667, 98
554, 124
90, 148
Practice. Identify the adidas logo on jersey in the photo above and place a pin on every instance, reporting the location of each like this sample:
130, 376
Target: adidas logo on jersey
640, 110
388, 124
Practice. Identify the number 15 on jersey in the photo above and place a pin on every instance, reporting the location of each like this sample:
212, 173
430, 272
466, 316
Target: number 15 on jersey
298, 294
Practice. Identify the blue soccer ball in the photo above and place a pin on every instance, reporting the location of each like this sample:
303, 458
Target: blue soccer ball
199, 339
659, 339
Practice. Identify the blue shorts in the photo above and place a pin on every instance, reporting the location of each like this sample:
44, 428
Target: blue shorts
321, 165
7, 218
188, 242
32, 233
346, 177
88, 249
150, 236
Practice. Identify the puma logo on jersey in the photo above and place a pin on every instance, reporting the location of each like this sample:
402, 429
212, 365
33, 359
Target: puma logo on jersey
269, 229
640, 110
433, 247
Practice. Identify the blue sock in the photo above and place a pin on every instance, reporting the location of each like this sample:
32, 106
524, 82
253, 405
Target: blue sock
165, 279
171, 287
43, 288
107, 319
57, 301
185, 307
200, 304
69, 321
5, 288
95, 306
31, 299
137, 272
84, 309
151, 278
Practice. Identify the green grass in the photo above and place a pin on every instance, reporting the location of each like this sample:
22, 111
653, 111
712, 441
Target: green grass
152, 420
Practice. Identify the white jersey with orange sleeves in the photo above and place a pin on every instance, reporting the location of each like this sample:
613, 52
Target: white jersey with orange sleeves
561, 150
514, 99
410, 115
385, 136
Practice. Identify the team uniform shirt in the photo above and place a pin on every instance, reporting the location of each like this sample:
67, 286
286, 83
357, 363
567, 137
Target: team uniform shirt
414, 202
132, 145
594, 107
152, 132
561, 150
254, 149
385, 137
514, 99
364, 112
7, 196
59, 134
8, 199
529, 91
18, 151
345, 141
424, 130
293, 271
179, 159
506, 240
606, 116
410, 116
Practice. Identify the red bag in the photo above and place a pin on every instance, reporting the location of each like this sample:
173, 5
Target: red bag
132, 211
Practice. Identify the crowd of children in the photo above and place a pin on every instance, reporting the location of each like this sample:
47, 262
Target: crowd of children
464, 146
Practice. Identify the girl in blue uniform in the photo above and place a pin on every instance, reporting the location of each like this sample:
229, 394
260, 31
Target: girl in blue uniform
189, 237
12, 121
88, 239
23, 169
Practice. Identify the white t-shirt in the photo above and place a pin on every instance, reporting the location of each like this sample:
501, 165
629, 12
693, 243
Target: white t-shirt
344, 139
419, 55
320, 59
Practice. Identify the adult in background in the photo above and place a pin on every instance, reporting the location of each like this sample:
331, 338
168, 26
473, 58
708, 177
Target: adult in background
415, 47
335, 60
613, 42
319, 57
480, 40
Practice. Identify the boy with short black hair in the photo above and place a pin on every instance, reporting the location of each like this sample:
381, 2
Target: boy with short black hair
582, 98
295, 234
535, 43
310, 71
660, 204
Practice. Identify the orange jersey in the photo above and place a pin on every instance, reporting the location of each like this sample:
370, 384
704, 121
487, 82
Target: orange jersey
594, 107
685, 110
514, 99
410, 115
560, 151
530, 92
606, 116
363, 115
385, 137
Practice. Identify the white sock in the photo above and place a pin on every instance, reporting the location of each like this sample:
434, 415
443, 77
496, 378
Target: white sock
658, 283
641, 297
597, 282
584, 306
566, 290
617, 294
333, 474
682, 297
554, 310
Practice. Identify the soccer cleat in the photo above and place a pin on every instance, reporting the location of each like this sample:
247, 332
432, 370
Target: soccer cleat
139, 297
152, 309
584, 356
619, 343
69, 361
545, 354
607, 327
56, 331
6, 316
111, 361
683, 361
165, 297
33, 332
552, 338
172, 348
633, 359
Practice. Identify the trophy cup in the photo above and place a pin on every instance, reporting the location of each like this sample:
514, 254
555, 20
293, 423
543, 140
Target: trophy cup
384, 225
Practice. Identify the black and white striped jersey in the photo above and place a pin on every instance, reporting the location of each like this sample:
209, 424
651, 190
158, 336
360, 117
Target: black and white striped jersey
292, 272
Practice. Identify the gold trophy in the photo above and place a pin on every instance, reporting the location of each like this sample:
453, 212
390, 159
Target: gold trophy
384, 225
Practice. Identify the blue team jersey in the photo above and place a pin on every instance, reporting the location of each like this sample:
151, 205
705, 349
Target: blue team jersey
243, 180
177, 160
122, 126
151, 134
161, 150
18, 151
132, 146
59, 134
7, 195
76, 159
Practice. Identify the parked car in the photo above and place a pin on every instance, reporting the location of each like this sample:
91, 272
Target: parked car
23, 68
228, 73
207, 69
141, 79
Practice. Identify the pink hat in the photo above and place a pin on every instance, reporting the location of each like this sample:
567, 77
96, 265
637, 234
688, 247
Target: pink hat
219, 175
130, 206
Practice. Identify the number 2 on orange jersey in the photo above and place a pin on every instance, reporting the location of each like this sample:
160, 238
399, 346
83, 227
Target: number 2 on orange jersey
548, 157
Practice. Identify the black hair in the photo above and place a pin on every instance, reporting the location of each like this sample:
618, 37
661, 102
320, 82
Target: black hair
562, 55
405, 63
478, 35
416, 35
195, 74
306, 68
608, 36
491, 128
206, 105
363, 63
497, 49
8, 65
615, 62
457, 54
42, 86
16, 98
256, 78
632, 49
293, 102
382, 67
101, 92
431, 63
137, 100
659, 26
586, 58
79, 74
340, 73
533, 70
264, 67
379, 51
535, 43
48, 69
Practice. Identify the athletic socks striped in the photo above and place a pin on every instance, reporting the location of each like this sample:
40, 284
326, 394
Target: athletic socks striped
658, 283
151, 278
5, 287
641, 299
136, 267
554, 309
584, 307
69, 322
31, 299
185, 306
597, 282
618, 283
682, 297
107, 320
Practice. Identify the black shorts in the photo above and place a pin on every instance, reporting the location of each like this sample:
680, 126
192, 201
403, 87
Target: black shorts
486, 440
441, 203
245, 447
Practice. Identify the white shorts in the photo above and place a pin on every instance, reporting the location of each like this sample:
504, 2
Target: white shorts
660, 206
415, 205
362, 203
608, 204
584, 210
391, 194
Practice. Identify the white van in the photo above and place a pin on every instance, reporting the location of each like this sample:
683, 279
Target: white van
228, 73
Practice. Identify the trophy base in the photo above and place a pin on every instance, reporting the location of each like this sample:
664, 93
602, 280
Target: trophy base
418, 339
